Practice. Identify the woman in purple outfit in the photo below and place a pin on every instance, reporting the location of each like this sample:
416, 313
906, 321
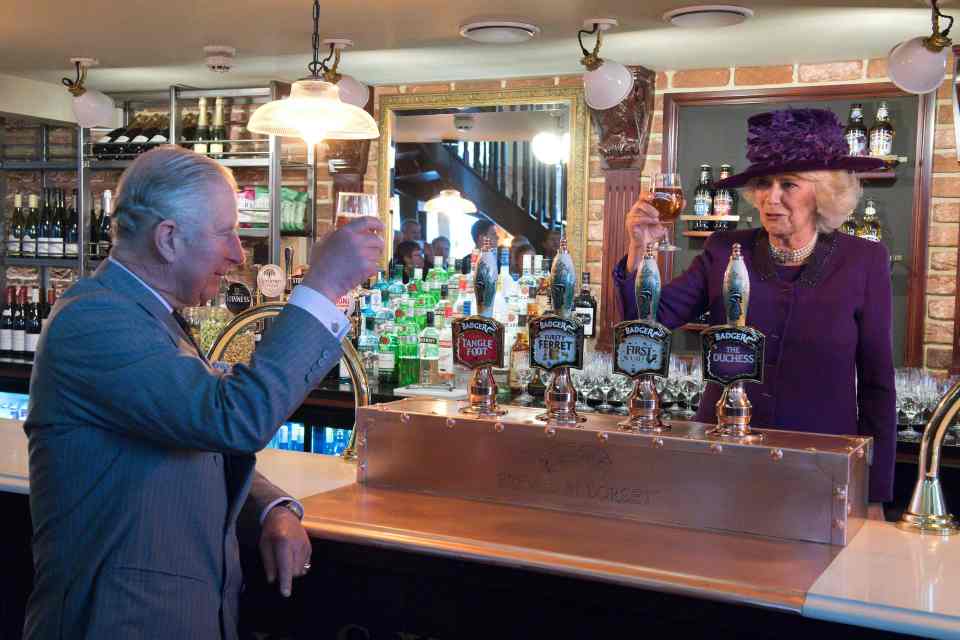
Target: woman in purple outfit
822, 298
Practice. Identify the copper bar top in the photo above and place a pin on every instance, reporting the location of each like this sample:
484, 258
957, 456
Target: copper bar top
717, 566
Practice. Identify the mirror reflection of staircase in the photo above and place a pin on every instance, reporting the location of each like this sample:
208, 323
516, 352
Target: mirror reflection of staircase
504, 179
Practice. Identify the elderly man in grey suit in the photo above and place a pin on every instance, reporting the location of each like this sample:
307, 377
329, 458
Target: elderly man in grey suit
142, 454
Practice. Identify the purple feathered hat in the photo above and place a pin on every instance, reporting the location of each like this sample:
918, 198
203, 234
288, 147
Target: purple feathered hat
797, 140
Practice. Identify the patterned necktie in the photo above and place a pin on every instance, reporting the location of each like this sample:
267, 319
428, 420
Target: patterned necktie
185, 326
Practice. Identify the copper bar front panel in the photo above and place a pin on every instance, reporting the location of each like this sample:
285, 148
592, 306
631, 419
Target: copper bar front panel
793, 485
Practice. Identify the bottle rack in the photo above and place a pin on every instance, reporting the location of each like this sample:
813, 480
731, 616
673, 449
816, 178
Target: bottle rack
86, 164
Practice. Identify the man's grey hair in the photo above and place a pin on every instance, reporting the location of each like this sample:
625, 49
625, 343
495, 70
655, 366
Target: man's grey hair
167, 183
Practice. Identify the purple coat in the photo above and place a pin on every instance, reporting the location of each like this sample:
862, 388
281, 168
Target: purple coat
829, 356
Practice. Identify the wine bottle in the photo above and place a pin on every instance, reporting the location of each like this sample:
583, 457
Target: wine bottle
71, 233
19, 324
43, 226
93, 241
105, 239
585, 307
29, 240
15, 227
6, 324
32, 324
158, 135
55, 227
102, 148
203, 130
138, 142
134, 137
47, 308
119, 144
189, 130
218, 132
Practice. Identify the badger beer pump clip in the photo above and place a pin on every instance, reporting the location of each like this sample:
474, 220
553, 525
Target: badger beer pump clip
556, 343
641, 351
478, 339
733, 354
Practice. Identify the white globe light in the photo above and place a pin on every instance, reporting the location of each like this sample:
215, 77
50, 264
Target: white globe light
550, 148
93, 109
352, 91
915, 68
449, 201
607, 86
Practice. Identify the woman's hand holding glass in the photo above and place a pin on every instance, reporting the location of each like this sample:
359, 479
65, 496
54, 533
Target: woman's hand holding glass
643, 228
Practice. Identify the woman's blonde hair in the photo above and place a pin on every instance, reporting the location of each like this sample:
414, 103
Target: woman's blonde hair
837, 194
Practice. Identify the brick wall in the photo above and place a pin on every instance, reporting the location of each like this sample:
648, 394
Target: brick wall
945, 206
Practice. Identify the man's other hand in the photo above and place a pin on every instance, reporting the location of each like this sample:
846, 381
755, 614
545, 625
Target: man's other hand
284, 547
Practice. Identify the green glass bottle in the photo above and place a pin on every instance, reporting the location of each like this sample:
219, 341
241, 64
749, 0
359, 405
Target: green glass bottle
388, 352
408, 350
430, 352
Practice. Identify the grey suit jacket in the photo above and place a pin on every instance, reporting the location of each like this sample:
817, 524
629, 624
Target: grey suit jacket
141, 457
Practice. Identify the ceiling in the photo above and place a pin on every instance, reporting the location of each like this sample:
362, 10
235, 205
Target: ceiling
495, 126
150, 45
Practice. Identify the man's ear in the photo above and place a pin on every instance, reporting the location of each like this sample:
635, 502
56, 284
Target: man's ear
165, 241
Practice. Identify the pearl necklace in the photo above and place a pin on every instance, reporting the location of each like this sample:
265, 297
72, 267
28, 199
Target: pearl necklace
793, 256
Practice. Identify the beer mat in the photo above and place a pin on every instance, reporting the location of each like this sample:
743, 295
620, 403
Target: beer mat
431, 392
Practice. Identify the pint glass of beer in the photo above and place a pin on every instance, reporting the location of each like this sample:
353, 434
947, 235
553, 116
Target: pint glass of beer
355, 205
668, 201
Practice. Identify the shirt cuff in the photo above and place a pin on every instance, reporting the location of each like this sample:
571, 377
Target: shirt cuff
320, 307
278, 501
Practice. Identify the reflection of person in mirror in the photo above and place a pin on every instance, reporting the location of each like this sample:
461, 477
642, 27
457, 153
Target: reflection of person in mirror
482, 230
822, 298
551, 243
441, 247
410, 256
520, 247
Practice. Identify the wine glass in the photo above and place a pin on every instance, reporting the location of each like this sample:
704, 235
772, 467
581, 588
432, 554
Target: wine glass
525, 377
668, 201
582, 383
351, 206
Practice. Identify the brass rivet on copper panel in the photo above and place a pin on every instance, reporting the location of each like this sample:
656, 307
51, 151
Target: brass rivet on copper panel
849, 448
451, 423
776, 454
658, 443
849, 508
405, 418
812, 449
551, 432
498, 427
716, 447
839, 524
860, 453
840, 493
362, 467
603, 436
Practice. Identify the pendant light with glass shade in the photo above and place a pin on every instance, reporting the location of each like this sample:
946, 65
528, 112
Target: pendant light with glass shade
90, 108
449, 201
552, 147
606, 83
919, 65
315, 109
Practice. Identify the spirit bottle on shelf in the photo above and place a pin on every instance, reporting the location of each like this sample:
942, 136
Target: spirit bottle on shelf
869, 227
724, 201
408, 349
368, 346
430, 352
519, 355
856, 131
585, 307
703, 199
882, 133
389, 344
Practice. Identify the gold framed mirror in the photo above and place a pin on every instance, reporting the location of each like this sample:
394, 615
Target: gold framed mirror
564, 106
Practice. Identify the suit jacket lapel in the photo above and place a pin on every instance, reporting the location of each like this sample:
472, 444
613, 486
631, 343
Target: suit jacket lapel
118, 280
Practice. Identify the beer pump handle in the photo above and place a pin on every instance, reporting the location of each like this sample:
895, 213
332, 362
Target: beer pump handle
563, 281
485, 280
736, 289
646, 287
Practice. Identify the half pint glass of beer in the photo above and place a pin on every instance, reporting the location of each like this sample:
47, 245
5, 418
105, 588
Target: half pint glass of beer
668, 201
351, 206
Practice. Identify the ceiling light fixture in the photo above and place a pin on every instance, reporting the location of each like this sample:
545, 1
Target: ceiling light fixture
918, 65
606, 83
90, 108
499, 31
352, 90
219, 57
315, 111
707, 16
449, 201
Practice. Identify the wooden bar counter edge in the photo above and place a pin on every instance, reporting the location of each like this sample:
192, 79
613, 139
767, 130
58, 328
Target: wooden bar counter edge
884, 579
